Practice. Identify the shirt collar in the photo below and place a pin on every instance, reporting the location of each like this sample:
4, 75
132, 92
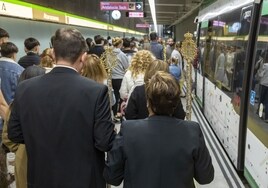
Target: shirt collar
66, 66
7, 59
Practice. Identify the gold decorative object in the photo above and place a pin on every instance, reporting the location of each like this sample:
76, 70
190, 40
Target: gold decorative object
188, 51
109, 61
164, 51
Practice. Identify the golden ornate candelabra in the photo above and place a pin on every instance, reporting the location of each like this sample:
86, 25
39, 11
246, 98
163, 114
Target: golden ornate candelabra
188, 51
109, 61
164, 51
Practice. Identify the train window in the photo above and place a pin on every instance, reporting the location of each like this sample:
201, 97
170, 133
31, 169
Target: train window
225, 50
258, 111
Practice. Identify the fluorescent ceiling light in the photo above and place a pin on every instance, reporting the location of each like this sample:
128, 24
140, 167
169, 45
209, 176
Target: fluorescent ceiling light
152, 7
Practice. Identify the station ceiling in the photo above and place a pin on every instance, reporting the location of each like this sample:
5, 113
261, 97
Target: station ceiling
170, 11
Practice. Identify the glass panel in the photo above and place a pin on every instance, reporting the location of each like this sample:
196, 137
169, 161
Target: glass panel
258, 111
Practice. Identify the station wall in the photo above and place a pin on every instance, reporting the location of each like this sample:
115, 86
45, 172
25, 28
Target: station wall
20, 29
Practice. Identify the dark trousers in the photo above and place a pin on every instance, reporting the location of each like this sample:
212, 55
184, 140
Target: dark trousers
116, 83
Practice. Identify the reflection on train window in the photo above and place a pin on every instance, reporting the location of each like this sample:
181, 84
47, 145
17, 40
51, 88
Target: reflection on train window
259, 90
224, 57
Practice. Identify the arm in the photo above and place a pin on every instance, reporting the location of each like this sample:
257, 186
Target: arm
123, 89
115, 164
203, 168
3, 106
8, 143
103, 127
14, 125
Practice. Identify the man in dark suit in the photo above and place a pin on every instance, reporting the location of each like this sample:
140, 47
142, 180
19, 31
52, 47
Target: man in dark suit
31, 48
160, 151
64, 120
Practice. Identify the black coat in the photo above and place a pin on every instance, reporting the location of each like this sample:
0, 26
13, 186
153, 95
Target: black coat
64, 120
159, 152
137, 105
29, 60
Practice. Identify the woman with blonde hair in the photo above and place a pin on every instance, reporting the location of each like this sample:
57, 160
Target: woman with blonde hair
47, 60
118, 72
135, 73
94, 70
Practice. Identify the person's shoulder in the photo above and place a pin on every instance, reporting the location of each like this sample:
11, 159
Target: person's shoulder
133, 124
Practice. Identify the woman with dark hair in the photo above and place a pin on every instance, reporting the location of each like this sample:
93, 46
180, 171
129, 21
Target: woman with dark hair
19, 149
159, 151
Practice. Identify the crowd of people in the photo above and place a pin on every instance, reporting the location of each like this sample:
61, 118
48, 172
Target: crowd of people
56, 115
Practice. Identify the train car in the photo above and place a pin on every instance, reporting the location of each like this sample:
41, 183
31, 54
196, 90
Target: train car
232, 82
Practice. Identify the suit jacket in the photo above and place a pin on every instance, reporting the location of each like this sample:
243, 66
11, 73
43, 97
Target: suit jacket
29, 60
137, 108
64, 120
159, 152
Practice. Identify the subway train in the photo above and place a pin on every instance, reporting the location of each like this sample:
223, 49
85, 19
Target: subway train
232, 82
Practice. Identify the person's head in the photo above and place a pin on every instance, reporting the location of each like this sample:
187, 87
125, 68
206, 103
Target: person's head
172, 61
146, 38
153, 36
70, 47
9, 50
30, 72
89, 42
162, 94
126, 42
117, 42
156, 65
31, 44
93, 69
47, 59
4, 36
170, 42
98, 39
178, 46
140, 61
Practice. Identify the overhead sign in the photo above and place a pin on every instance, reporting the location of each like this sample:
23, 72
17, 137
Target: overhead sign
10, 9
135, 14
121, 6
143, 25
47, 16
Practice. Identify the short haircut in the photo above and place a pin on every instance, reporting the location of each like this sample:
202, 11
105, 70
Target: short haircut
69, 44
8, 49
30, 43
156, 65
162, 93
153, 36
98, 39
3, 33
126, 42
89, 42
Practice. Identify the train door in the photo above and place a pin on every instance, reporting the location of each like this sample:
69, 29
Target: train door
224, 73
256, 156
